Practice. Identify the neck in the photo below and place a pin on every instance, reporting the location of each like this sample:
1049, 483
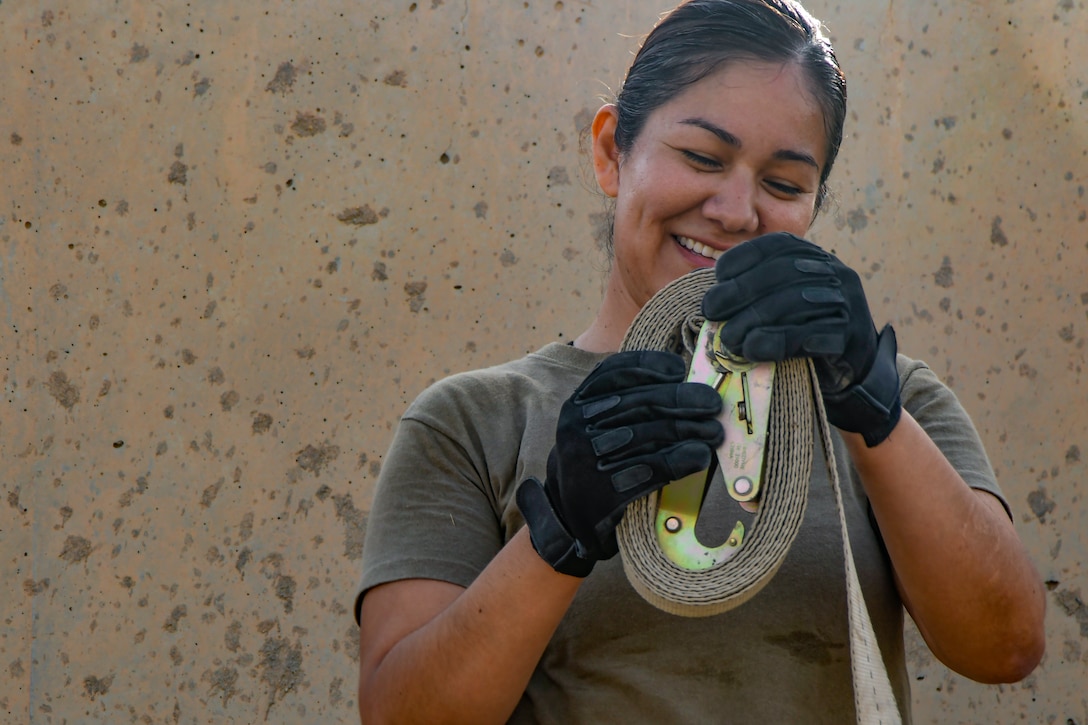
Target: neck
606, 332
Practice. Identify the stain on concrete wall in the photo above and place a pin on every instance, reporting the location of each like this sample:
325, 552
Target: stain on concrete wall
237, 238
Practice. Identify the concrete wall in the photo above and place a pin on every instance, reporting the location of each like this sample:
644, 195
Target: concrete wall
236, 238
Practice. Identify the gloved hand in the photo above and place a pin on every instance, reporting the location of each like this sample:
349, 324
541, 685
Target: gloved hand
630, 428
783, 297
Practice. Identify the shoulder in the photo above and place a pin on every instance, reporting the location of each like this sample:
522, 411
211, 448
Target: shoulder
500, 390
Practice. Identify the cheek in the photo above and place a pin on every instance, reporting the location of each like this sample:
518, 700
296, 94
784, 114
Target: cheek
793, 218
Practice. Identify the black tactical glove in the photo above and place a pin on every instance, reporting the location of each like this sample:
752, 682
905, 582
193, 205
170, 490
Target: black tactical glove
783, 297
630, 428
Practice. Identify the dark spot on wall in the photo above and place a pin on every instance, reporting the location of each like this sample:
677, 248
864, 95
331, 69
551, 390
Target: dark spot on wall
171, 623
215, 376
201, 87
997, 235
807, 647
121, 208
1027, 371
1040, 503
16, 139
58, 291
358, 216
354, 522
210, 492
949, 122
94, 686
209, 310
857, 219
245, 528
262, 422
244, 557
305, 353
31, 587
397, 78
379, 273
480, 209
558, 176
335, 694
284, 79
351, 642
16, 670
308, 124
313, 459
188, 357
1066, 333
507, 258
228, 400
232, 638
285, 591
138, 54
64, 392
178, 173
415, 291
76, 549
281, 667
1070, 602
47, 18
943, 276
222, 682
1072, 455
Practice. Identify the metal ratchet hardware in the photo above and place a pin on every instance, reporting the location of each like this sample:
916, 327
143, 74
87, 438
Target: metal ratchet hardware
745, 388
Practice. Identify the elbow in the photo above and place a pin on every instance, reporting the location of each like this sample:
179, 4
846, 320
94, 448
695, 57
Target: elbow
1020, 658
1011, 657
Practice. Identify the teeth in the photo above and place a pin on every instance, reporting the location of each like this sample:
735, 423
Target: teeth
699, 248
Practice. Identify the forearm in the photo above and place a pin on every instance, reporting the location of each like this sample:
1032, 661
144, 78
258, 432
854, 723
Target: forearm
963, 573
471, 662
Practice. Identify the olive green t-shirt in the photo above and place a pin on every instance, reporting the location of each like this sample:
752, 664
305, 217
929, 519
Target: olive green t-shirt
444, 506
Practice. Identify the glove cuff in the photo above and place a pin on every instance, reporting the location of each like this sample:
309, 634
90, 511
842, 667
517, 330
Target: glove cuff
550, 538
871, 407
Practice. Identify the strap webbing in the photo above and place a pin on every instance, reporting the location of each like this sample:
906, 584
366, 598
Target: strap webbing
670, 321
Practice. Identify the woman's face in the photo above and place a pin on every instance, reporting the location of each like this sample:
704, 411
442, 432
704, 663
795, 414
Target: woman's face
732, 157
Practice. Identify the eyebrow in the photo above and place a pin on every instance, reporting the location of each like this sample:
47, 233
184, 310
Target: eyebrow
731, 140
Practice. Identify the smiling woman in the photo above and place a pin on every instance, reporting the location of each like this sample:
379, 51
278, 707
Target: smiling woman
736, 155
490, 588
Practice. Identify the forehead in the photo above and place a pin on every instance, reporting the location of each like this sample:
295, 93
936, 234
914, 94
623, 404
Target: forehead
756, 97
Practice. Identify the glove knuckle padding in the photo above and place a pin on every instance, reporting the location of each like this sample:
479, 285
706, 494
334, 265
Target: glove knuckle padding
631, 427
630, 369
612, 440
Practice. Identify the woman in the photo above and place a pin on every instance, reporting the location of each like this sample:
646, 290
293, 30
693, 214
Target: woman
717, 152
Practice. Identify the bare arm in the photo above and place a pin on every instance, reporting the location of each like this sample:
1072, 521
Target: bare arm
961, 569
433, 652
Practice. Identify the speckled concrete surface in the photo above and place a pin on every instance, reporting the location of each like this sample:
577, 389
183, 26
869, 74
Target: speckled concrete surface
236, 238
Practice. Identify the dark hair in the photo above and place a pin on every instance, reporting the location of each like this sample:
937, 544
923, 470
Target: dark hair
700, 36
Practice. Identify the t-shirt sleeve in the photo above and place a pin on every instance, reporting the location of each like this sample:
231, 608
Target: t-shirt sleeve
433, 515
943, 417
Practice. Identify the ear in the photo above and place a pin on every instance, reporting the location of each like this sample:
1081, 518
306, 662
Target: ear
606, 157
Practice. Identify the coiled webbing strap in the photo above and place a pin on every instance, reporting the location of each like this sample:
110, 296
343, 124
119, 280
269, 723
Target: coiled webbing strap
670, 321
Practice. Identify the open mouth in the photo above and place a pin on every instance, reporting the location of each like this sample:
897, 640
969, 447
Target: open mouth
698, 247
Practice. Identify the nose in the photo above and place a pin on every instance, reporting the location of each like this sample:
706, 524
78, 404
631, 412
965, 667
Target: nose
733, 202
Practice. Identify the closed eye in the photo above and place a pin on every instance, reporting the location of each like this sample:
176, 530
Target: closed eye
784, 188
699, 159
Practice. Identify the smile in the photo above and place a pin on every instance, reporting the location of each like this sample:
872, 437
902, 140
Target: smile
698, 247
